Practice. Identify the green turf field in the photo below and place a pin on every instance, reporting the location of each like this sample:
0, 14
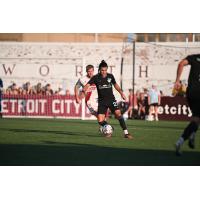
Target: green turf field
76, 142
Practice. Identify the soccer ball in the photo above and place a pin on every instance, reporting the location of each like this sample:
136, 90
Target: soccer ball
107, 129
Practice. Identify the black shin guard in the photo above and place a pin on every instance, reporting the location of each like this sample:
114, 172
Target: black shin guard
191, 128
122, 123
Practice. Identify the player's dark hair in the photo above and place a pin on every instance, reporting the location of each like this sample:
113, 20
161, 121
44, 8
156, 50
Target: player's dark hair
102, 64
89, 67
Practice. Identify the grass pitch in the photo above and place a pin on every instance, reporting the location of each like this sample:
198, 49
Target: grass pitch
44, 142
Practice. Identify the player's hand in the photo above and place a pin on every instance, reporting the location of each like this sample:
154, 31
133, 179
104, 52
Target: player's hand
78, 100
177, 85
123, 97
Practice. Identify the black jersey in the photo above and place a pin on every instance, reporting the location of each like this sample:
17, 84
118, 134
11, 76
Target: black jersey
194, 76
104, 86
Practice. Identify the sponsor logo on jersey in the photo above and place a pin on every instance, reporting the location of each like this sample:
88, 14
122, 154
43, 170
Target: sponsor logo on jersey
105, 86
109, 80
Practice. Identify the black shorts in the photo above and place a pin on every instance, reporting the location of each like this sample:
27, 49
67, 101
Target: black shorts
154, 104
194, 104
104, 105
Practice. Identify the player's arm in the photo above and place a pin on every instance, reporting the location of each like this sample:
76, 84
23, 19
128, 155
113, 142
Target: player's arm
159, 99
76, 91
86, 87
148, 99
90, 82
183, 63
117, 87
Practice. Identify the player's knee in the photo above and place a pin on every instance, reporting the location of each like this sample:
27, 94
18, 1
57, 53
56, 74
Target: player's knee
118, 115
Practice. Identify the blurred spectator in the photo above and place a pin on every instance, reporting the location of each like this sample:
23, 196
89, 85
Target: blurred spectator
141, 106
68, 93
48, 90
8, 91
38, 89
14, 89
61, 91
131, 102
161, 93
28, 88
154, 100
20, 91
180, 90
146, 102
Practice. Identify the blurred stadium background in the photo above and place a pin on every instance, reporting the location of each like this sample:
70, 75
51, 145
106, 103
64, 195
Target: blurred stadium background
56, 61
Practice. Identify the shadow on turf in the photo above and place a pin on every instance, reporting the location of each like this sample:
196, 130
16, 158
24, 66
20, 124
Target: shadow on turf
70, 154
48, 131
154, 126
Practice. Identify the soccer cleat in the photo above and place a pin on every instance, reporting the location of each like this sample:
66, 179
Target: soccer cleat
178, 149
128, 136
101, 129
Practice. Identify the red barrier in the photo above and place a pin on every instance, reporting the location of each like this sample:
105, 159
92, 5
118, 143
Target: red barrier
174, 108
38, 105
171, 108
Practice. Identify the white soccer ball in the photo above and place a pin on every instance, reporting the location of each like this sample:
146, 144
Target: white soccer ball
107, 129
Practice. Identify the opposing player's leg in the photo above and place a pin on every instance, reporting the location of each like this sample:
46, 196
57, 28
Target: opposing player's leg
190, 131
92, 109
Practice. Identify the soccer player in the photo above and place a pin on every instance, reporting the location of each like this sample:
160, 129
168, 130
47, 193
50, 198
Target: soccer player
193, 98
1, 91
91, 93
106, 98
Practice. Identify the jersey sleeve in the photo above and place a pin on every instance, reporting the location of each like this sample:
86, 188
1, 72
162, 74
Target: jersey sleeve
190, 59
79, 84
113, 79
92, 80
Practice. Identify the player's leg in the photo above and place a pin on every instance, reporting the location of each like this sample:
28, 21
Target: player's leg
151, 109
130, 112
190, 131
91, 108
101, 116
115, 110
101, 119
156, 112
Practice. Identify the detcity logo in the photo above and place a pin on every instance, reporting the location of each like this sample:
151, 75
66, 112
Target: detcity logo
175, 110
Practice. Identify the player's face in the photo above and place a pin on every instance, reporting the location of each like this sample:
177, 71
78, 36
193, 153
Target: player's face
103, 71
90, 72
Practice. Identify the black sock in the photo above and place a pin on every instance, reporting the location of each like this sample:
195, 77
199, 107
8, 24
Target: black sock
103, 123
191, 128
122, 123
